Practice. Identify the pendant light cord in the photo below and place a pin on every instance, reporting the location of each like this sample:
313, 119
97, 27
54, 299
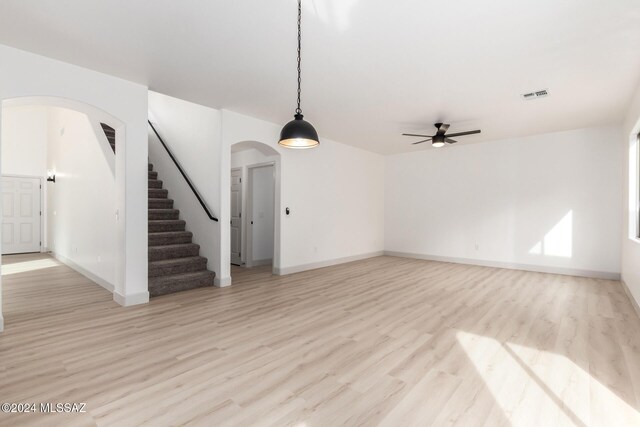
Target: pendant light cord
299, 110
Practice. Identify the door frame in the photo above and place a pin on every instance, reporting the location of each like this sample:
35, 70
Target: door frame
248, 258
43, 208
242, 224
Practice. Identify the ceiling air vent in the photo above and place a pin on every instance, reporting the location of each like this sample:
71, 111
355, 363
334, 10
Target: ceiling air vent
534, 95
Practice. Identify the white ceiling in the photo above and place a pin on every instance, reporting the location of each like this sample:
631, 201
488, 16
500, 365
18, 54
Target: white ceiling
371, 69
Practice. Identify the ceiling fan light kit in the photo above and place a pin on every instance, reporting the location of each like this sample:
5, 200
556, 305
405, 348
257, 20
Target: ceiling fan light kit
438, 141
299, 133
440, 138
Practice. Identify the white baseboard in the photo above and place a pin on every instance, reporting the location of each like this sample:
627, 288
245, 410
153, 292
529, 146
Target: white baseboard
129, 300
282, 271
634, 303
512, 266
108, 286
222, 282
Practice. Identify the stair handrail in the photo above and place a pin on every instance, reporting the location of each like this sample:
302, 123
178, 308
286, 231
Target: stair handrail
184, 175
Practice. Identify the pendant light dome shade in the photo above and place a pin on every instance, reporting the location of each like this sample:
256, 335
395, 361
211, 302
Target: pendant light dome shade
298, 133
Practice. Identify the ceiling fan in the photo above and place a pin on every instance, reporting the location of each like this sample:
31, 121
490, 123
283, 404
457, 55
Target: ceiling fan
440, 137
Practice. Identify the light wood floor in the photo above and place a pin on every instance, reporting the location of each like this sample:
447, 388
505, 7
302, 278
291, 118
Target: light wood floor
385, 341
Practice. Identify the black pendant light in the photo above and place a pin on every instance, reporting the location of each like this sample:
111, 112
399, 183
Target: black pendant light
299, 133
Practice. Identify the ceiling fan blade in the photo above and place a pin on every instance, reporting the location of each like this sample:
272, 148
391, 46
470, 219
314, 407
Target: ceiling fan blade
471, 132
420, 142
450, 141
413, 134
442, 128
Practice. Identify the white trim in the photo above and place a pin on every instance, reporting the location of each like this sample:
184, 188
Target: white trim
633, 301
1, 323
512, 266
134, 299
108, 286
312, 266
222, 282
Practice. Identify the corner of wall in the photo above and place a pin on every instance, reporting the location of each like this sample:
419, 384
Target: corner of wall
133, 299
222, 282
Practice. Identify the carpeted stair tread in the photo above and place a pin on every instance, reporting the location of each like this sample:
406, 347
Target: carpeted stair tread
159, 225
182, 250
154, 183
175, 263
156, 214
160, 203
177, 266
180, 282
110, 133
158, 193
170, 238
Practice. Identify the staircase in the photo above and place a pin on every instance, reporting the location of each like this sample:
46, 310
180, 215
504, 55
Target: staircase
174, 261
110, 133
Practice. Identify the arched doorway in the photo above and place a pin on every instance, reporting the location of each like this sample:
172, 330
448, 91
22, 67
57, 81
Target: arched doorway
254, 206
60, 146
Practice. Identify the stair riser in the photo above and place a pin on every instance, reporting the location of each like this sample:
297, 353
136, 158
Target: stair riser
156, 193
164, 214
150, 167
156, 271
160, 204
158, 228
171, 240
153, 175
182, 252
183, 285
155, 183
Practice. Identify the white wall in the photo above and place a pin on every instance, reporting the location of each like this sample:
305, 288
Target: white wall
630, 241
24, 136
122, 105
192, 133
335, 193
547, 202
82, 202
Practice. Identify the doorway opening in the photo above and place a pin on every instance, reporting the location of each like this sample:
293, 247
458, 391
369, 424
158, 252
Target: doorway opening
254, 206
58, 199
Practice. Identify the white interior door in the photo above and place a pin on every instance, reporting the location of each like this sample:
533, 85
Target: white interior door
20, 215
262, 215
236, 216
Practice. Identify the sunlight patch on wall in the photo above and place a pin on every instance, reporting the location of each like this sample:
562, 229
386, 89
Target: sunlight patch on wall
534, 387
558, 241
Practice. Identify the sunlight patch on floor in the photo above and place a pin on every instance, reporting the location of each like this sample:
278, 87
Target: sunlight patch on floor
26, 266
534, 387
